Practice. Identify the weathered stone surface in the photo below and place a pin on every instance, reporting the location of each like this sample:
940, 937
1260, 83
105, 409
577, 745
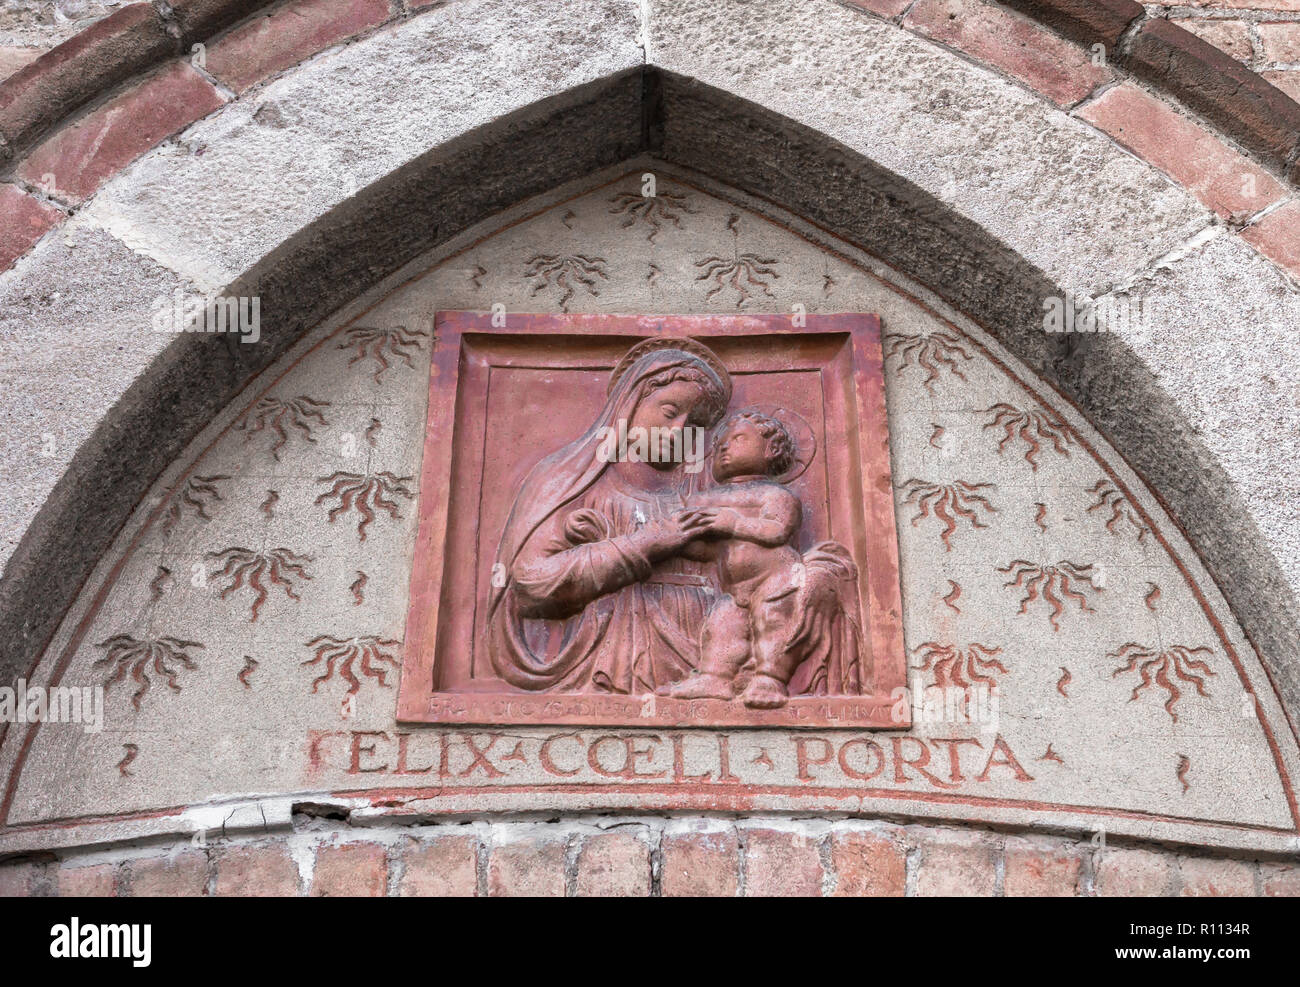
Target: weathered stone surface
273, 165
1206, 878
1061, 196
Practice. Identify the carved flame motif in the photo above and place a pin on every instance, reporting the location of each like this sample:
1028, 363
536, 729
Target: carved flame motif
163, 657
932, 352
378, 345
1068, 580
237, 567
1034, 427
948, 503
277, 416
566, 272
197, 492
654, 210
1108, 498
347, 657
961, 667
1165, 669
746, 269
365, 494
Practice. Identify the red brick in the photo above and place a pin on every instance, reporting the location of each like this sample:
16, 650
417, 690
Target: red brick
782, 865
1088, 21
1280, 880
885, 8
84, 155
526, 869
1226, 181
1281, 41
18, 880
36, 97
446, 867
1123, 873
270, 44
256, 872
1216, 86
613, 865
24, 219
1205, 878
868, 865
956, 870
1229, 36
1035, 870
1062, 72
182, 875
97, 881
201, 19
1287, 80
1277, 237
353, 870
700, 865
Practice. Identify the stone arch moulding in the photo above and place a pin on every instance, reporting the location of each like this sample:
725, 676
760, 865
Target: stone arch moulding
947, 223
303, 632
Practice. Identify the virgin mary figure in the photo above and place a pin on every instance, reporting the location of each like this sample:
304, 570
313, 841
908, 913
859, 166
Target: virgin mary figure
593, 593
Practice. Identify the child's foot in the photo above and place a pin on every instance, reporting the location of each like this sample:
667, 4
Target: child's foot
765, 692
703, 686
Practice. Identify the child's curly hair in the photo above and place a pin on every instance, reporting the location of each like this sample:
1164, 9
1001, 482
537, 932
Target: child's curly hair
781, 457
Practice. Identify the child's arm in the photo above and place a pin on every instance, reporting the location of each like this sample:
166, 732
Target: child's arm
773, 523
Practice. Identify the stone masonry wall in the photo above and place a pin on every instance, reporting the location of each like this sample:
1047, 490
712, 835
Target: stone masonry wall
607, 856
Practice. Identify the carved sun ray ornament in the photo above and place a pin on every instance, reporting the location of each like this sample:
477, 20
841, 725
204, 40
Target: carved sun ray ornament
566, 272
366, 494
1035, 427
1164, 668
237, 567
949, 503
1110, 499
745, 272
952, 665
372, 343
654, 210
198, 493
365, 655
144, 660
1054, 584
278, 415
931, 352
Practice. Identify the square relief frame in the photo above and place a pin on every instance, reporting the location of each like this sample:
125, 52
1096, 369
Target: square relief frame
506, 391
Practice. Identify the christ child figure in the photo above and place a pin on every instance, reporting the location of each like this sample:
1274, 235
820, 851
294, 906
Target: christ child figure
747, 524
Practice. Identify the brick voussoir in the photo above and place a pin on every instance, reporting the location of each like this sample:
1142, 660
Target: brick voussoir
39, 95
1090, 21
201, 19
1242, 104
